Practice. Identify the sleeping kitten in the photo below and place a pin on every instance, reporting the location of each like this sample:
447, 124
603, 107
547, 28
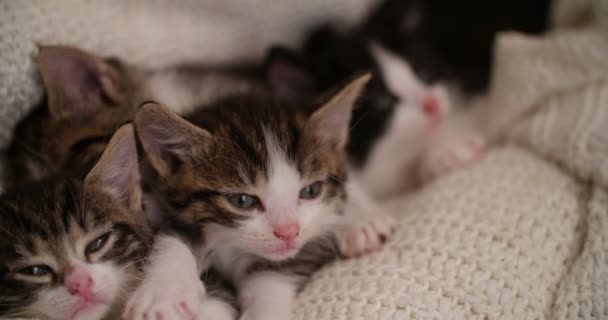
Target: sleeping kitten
71, 249
257, 188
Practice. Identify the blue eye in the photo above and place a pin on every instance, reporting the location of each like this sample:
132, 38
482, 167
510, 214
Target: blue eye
39, 270
312, 190
243, 201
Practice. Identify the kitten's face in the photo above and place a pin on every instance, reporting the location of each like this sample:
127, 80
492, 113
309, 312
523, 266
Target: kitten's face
418, 107
69, 250
87, 99
256, 175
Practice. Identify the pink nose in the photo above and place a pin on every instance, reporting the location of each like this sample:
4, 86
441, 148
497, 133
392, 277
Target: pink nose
287, 232
80, 283
431, 107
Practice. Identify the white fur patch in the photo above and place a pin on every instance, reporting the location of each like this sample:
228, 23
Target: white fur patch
171, 288
58, 303
215, 309
267, 296
409, 132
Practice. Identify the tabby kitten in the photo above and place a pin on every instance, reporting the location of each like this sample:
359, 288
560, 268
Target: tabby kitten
88, 98
71, 249
256, 188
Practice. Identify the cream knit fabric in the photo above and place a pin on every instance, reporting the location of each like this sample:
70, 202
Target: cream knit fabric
523, 234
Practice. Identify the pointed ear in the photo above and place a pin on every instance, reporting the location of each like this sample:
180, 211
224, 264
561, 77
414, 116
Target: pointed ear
77, 83
396, 71
332, 120
287, 76
117, 171
168, 140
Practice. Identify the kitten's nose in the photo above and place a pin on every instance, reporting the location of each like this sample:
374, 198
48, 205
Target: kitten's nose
430, 106
287, 232
80, 283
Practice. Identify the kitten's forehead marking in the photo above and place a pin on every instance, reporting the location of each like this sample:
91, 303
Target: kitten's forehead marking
281, 191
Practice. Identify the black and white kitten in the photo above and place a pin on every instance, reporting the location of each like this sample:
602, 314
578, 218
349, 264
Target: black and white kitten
257, 188
71, 249
417, 50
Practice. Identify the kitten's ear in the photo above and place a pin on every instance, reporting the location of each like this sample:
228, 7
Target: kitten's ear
332, 120
287, 76
168, 140
77, 83
396, 71
117, 171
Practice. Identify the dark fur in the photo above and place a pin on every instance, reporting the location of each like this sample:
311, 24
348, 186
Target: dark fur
66, 134
443, 41
43, 211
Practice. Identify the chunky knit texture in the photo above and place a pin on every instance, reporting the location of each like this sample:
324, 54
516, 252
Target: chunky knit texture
523, 234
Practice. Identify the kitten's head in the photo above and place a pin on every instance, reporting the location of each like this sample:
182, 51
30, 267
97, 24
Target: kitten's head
71, 249
396, 101
86, 100
253, 173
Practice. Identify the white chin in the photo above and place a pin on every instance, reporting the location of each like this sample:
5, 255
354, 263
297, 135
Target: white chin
280, 255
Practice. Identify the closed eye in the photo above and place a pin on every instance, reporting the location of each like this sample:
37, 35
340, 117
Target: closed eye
96, 245
38, 270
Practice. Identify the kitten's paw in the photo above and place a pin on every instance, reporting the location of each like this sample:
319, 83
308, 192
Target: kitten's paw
452, 153
366, 236
166, 298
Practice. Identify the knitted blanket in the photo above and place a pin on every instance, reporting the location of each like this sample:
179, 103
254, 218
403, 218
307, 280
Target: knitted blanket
522, 234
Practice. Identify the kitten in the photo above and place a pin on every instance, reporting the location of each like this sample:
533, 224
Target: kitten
257, 188
72, 249
87, 98
417, 50
398, 110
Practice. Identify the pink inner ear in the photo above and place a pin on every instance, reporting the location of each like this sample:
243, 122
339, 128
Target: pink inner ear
73, 77
431, 106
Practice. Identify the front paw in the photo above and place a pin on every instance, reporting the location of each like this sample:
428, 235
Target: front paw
451, 153
365, 236
166, 298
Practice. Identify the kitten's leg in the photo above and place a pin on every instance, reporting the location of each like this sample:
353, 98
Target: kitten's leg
365, 226
171, 289
214, 308
267, 295
220, 302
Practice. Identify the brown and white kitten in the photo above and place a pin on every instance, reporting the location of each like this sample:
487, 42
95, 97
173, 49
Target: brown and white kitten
73, 249
255, 187
87, 98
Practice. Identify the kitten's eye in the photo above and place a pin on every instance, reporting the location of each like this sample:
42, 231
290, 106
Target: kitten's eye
311, 191
96, 244
35, 271
243, 201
